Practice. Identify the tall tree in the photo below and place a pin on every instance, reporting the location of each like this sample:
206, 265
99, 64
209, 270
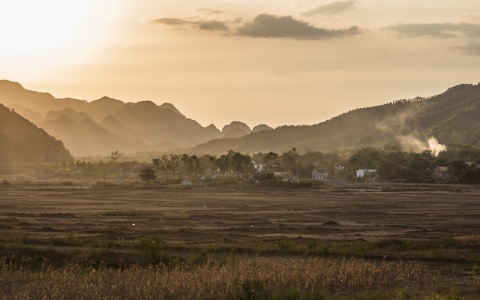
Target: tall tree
241, 164
185, 161
289, 160
147, 174
194, 164
270, 159
114, 156
222, 163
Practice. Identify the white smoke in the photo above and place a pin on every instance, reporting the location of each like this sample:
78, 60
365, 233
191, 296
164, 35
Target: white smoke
411, 143
435, 146
397, 126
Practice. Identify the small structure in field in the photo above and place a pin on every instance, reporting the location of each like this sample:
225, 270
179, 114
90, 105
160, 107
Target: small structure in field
186, 182
258, 167
440, 172
319, 175
368, 174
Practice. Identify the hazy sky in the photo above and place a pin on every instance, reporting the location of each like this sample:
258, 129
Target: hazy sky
272, 61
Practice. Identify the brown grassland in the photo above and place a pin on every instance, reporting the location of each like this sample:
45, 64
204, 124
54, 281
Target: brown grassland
90, 240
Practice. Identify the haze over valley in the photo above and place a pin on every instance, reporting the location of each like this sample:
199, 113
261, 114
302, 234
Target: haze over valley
105, 125
203, 75
278, 63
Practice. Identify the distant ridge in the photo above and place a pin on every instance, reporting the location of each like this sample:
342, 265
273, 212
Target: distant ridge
235, 129
106, 124
453, 117
22, 141
261, 127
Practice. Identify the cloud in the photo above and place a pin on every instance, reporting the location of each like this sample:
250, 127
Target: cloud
263, 26
270, 26
208, 11
171, 21
210, 25
437, 30
213, 25
472, 49
333, 8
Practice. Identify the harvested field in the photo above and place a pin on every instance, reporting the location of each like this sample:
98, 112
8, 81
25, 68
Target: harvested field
206, 215
433, 233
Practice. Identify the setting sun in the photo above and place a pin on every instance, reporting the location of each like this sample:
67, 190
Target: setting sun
48, 33
44, 26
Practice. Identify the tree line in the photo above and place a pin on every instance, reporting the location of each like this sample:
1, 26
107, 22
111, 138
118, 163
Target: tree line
392, 165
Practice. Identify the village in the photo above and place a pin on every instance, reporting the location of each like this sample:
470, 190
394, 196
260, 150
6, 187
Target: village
360, 165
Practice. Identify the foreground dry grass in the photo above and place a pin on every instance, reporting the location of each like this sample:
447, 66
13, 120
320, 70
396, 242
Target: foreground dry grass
252, 278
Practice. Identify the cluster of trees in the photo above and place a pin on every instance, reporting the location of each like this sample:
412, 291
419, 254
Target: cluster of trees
192, 165
236, 163
392, 165
417, 167
260, 166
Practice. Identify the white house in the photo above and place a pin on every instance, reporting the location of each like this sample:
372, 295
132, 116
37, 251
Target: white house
258, 167
368, 174
319, 175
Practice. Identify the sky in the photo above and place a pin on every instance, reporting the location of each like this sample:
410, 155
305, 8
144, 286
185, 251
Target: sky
274, 62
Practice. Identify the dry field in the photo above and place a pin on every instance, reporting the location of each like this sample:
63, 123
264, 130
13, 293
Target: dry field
423, 229
211, 215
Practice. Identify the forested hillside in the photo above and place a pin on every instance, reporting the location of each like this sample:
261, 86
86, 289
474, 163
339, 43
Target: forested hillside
452, 117
22, 141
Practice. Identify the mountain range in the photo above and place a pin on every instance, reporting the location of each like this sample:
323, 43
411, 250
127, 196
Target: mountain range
452, 117
106, 125
22, 141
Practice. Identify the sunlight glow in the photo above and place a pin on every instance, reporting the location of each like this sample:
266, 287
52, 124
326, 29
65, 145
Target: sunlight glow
49, 30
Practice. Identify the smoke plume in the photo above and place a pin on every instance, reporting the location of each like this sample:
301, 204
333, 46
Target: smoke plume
435, 146
400, 126
412, 144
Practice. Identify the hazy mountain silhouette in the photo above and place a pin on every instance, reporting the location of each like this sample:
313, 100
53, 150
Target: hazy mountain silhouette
86, 137
28, 114
127, 127
235, 129
114, 126
22, 141
160, 124
452, 117
103, 107
67, 112
171, 107
107, 124
261, 127
14, 93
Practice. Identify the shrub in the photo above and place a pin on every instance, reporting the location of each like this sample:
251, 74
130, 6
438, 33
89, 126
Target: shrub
253, 290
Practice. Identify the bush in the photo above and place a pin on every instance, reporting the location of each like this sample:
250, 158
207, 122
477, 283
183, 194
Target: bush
252, 289
294, 294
